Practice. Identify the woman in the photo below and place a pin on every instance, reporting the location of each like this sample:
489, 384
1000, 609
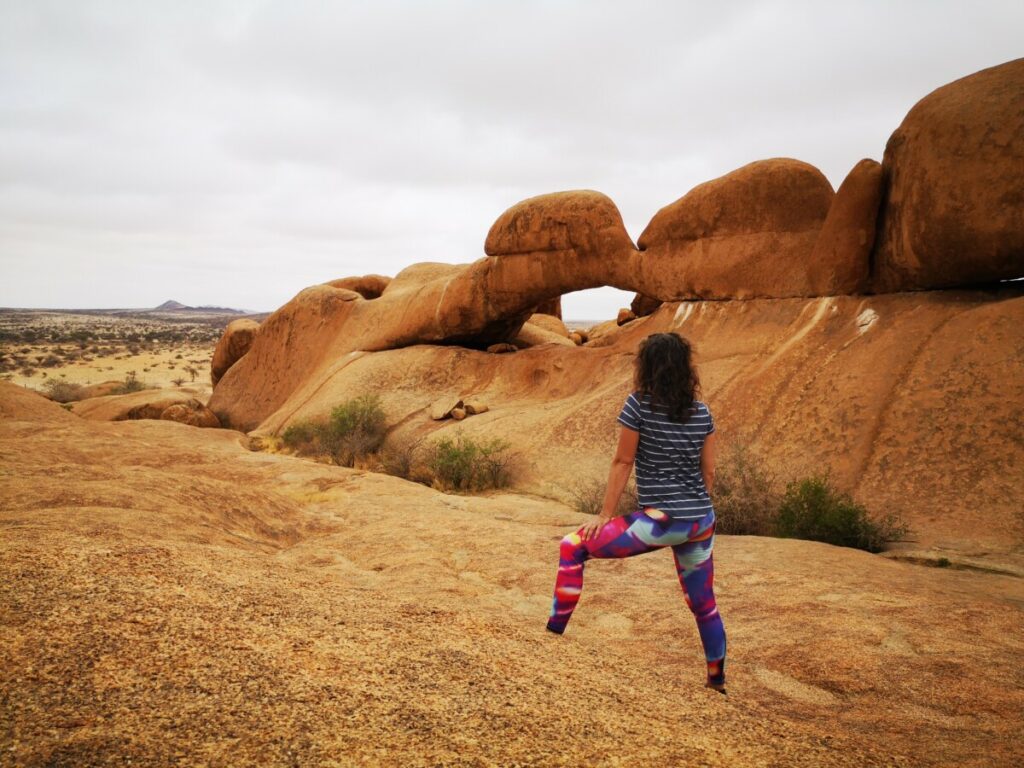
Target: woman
671, 437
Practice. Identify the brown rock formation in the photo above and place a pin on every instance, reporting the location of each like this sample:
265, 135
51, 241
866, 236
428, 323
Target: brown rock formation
442, 407
641, 306
749, 233
585, 222
625, 316
890, 394
233, 344
840, 260
145, 404
551, 307
367, 286
954, 208
191, 412
540, 248
531, 335
549, 323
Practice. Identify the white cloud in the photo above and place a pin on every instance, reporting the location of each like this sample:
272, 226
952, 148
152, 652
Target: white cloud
233, 152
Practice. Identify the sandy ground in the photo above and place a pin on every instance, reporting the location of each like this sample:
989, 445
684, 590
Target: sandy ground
157, 368
171, 598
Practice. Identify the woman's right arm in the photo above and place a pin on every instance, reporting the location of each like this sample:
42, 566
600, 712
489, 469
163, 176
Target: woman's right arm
707, 462
618, 475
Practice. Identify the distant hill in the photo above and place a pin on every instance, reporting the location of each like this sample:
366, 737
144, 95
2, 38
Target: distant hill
176, 306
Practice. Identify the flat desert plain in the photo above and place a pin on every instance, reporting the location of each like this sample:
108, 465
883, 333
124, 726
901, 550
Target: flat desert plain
89, 347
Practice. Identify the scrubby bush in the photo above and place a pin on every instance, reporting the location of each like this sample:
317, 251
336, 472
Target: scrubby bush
397, 458
588, 497
129, 385
745, 495
62, 391
354, 430
813, 509
463, 464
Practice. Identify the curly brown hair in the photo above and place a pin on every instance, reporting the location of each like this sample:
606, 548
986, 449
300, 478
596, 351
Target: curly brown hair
665, 372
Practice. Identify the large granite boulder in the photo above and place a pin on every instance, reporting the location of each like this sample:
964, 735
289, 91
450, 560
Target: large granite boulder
232, 346
954, 208
747, 234
584, 221
840, 261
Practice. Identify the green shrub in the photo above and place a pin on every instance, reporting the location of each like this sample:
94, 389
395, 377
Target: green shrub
745, 495
813, 509
462, 464
588, 497
354, 430
62, 391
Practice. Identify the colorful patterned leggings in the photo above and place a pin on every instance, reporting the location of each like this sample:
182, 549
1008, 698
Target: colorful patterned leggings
638, 532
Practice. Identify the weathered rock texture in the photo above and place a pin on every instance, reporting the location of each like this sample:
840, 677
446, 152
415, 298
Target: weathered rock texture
236, 340
749, 233
531, 335
954, 213
642, 306
191, 412
145, 404
367, 286
551, 307
166, 588
907, 400
839, 262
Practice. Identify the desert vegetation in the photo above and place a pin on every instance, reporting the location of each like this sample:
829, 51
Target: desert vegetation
588, 497
353, 431
748, 501
354, 435
464, 464
88, 347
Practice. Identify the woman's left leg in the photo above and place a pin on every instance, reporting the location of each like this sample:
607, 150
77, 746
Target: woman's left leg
695, 567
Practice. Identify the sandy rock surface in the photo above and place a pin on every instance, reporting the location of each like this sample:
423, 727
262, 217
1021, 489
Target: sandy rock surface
173, 598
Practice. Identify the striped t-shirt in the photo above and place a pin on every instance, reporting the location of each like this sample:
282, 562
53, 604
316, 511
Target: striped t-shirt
668, 475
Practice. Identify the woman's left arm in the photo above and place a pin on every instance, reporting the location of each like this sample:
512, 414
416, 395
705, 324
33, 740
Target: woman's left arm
618, 475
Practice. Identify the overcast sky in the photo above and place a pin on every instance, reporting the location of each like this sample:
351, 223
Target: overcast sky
234, 153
